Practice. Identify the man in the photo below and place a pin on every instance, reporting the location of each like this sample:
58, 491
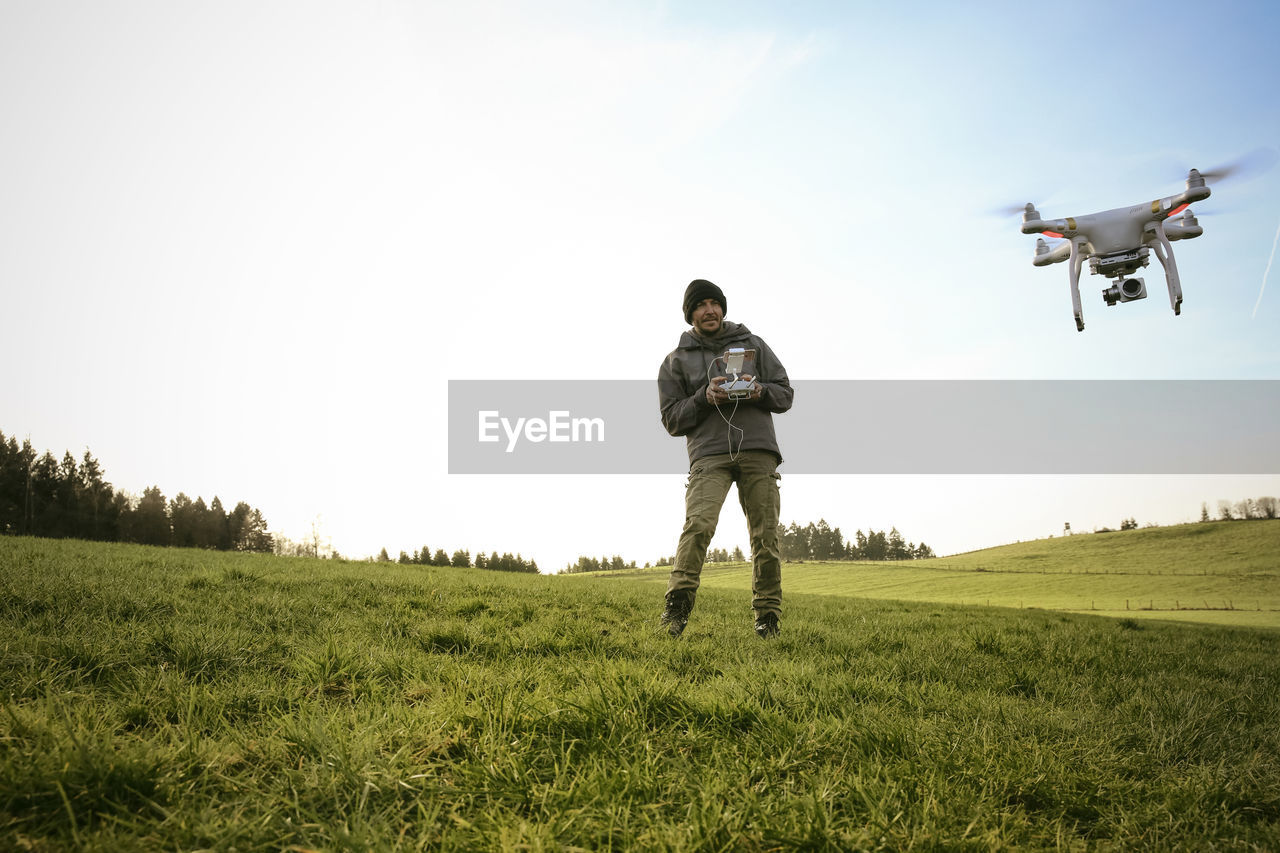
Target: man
729, 441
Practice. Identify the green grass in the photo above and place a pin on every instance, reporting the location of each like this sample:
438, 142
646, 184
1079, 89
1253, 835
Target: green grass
1219, 572
176, 700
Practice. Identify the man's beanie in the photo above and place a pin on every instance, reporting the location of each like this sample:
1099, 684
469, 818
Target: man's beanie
698, 290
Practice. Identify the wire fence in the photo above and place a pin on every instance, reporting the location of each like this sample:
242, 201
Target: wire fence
1136, 604
1044, 570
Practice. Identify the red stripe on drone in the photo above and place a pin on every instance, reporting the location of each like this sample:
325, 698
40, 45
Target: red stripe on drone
1052, 234
1179, 209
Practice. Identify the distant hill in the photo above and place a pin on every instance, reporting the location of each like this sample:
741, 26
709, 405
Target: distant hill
1223, 572
1213, 547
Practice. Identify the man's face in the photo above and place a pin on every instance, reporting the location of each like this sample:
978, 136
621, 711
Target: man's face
707, 316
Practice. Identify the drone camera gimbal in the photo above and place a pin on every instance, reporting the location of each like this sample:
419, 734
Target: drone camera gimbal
1125, 290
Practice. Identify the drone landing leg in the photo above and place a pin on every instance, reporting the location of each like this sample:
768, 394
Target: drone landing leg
1164, 252
1077, 260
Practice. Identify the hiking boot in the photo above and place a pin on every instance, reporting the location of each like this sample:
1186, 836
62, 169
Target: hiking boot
676, 614
767, 626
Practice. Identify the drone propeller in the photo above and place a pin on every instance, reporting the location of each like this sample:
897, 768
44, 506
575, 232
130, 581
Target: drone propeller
1009, 209
1253, 163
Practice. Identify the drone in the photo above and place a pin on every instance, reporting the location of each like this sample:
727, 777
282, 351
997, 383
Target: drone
1119, 242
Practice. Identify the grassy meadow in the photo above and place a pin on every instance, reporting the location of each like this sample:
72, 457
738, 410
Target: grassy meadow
163, 699
1218, 572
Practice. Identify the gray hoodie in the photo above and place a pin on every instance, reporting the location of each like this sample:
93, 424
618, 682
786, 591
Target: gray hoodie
682, 395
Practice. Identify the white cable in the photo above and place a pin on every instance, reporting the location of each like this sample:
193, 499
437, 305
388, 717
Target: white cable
729, 420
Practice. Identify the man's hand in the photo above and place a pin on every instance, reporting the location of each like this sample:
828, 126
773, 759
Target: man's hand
717, 396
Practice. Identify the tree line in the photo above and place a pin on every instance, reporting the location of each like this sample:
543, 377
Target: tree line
616, 563
1249, 509
814, 541
821, 541
714, 555
1245, 510
603, 564
40, 496
461, 559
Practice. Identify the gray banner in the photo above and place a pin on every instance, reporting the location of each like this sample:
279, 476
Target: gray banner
886, 427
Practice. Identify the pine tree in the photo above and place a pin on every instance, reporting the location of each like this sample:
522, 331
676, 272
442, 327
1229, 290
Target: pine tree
13, 485
897, 547
95, 501
793, 543
877, 546
124, 517
821, 541
200, 534
238, 526
260, 539
182, 521
217, 531
151, 521
68, 497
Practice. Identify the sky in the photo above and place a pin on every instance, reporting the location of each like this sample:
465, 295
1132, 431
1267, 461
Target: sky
244, 246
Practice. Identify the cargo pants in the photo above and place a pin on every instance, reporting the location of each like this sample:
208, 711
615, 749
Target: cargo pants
756, 473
